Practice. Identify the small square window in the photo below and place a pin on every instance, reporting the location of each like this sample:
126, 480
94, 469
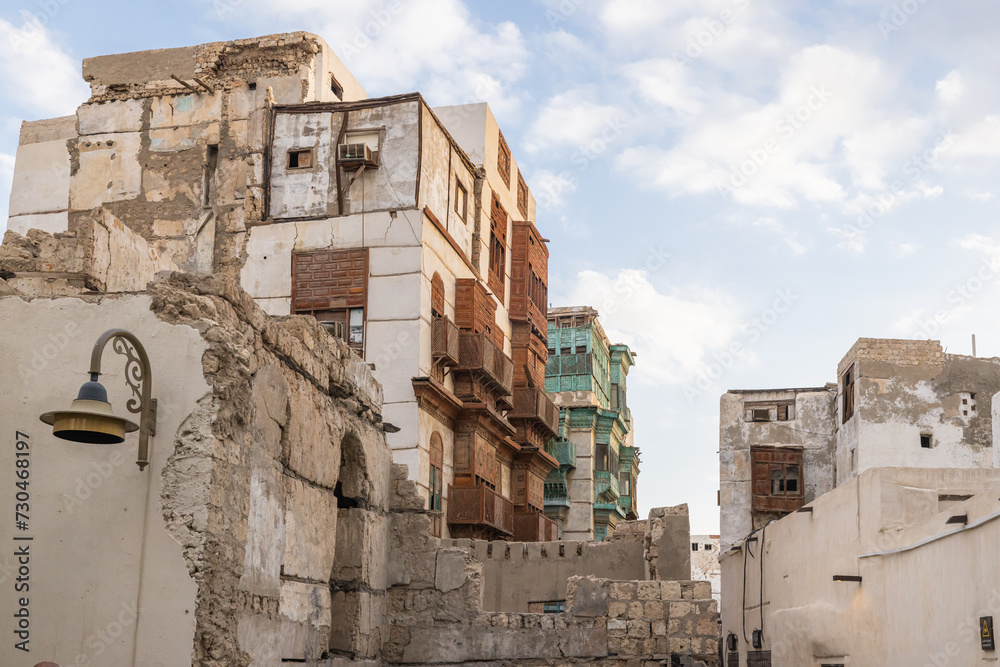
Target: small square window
336, 88
761, 415
300, 159
694, 546
965, 401
925, 441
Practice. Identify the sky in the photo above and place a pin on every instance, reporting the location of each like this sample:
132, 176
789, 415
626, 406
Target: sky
742, 188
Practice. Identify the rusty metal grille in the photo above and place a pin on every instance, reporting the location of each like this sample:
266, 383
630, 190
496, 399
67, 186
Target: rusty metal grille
733, 659
758, 659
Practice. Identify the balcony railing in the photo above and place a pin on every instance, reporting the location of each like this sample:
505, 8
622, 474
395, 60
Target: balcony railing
533, 403
563, 451
480, 506
605, 486
535, 527
444, 341
477, 353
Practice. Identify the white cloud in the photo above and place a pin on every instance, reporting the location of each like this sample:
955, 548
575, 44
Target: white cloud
434, 46
550, 188
39, 77
675, 332
951, 88
572, 119
906, 249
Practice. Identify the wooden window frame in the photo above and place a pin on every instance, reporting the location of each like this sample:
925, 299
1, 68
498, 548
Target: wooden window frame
849, 378
461, 200
522, 196
764, 461
498, 249
297, 152
503, 159
435, 485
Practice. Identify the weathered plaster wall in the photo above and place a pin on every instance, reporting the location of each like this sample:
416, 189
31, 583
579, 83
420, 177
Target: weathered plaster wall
813, 428
105, 578
906, 389
225, 551
39, 196
884, 620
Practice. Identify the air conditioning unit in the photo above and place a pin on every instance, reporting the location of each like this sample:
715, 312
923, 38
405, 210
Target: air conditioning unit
335, 329
352, 156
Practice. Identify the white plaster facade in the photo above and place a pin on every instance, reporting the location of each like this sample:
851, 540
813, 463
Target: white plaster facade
925, 581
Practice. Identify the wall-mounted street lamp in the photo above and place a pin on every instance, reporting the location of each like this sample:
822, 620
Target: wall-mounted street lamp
90, 418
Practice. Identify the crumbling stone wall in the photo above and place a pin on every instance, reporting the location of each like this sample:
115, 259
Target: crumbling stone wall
265, 480
437, 601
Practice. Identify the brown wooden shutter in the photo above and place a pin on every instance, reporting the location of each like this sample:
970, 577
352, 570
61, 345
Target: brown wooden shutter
329, 279
437, 295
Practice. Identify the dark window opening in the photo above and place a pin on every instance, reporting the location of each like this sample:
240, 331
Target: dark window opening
694, 546
300, 159
252, 85
848, 394
337, 89
211, 163
761, 415
925, 441
461, 200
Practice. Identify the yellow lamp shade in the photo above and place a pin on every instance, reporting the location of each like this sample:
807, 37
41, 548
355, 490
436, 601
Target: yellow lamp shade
89, 419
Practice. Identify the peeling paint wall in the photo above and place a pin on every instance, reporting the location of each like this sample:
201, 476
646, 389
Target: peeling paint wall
909, 389
811, 427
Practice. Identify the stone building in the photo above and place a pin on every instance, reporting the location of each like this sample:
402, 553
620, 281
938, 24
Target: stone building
595, 485
897, 448
270, 525
407, 232
896, 403
705, 562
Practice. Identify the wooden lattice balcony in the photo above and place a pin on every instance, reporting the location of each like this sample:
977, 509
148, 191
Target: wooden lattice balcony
444, 341
480, 506
478, 354
535, 527
534, 403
